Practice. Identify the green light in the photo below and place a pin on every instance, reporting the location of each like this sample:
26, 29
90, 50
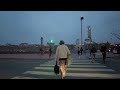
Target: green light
51, 41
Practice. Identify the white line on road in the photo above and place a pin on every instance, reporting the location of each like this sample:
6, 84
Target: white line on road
39, 73
85, 63
44, 68
92, 75
19, 77
75, 69
86, 66
89, 69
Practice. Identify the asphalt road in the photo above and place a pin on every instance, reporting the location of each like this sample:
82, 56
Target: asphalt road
113, 63
10, 68
80, 68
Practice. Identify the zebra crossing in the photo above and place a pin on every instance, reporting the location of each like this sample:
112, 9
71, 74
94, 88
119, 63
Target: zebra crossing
78, 69
88, 70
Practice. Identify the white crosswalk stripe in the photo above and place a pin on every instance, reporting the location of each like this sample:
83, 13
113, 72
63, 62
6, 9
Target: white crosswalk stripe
77, 63
19, 77
92, 75
89, 69
87, 66
79, 69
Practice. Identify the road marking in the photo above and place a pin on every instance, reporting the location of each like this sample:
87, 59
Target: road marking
46, 65
90, 69
75, 69
44, 68
85, 63
84, 66
39, 73
47, 69
19, 77
92, 75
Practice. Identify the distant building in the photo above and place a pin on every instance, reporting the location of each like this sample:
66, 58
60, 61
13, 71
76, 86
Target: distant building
23, 44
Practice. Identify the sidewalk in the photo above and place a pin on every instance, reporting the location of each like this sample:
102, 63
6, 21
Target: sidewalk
26, 56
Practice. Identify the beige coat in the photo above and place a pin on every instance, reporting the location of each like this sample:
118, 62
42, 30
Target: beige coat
62, 51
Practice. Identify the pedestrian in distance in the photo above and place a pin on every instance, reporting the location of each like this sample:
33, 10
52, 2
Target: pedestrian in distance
41, 51
103, 50
81, 50
78, 51
90, 51
93, 51
84, 51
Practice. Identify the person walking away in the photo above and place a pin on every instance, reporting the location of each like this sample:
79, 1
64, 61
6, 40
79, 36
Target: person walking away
84, 51
93, 51
62, 53
81, 50
103, 50
78, 51
90, 52
41, 51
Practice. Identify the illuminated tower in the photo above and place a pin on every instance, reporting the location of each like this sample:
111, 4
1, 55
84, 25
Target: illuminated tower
89, 34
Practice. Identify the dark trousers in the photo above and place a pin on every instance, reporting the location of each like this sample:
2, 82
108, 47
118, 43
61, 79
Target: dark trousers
81, 52
63, 59
78, 52
90, 53
104, 56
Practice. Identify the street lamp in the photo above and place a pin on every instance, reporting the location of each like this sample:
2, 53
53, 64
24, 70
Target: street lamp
81, 29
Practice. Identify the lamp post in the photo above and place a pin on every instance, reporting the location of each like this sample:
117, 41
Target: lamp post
81, 30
